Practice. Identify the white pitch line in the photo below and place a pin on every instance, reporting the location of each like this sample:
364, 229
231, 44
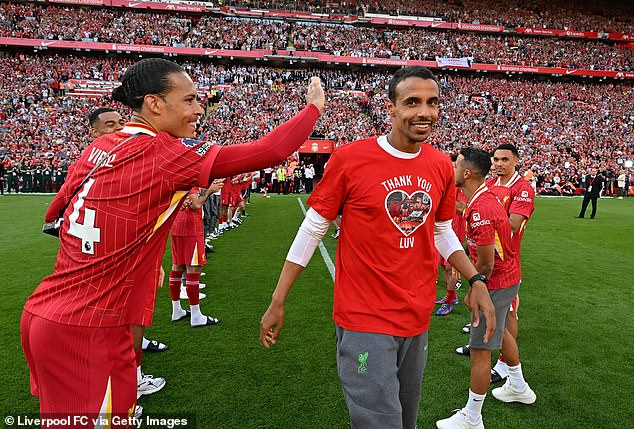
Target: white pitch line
322, 248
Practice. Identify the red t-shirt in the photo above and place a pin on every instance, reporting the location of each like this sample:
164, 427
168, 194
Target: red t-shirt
227, 186
487, 223
237, 185
188, 222
116, 227
517, 196
458, 223
386, 259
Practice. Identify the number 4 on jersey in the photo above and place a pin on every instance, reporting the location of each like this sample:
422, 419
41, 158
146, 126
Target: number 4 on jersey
87, 232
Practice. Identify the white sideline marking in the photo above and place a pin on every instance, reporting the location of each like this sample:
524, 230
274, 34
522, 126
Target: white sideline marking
322, 248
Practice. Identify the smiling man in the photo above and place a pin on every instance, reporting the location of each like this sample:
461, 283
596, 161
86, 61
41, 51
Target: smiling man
105, 120
114, 233
402, 190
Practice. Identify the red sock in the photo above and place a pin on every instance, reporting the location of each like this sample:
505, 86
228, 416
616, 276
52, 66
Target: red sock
451, 295
175, 284
138, 354
193, 288
501, 358
222, 219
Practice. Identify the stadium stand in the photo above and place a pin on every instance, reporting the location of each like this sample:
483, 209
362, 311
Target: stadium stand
145, 28
562, 126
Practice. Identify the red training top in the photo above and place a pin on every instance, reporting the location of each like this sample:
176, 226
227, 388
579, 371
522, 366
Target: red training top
487, 223
517, 196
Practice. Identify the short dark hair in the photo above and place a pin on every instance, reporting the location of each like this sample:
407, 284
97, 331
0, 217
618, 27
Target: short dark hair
94, 116
477, 159
405, 72
148, 76
508, 146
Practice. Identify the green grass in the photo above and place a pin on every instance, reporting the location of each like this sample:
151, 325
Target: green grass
575, 326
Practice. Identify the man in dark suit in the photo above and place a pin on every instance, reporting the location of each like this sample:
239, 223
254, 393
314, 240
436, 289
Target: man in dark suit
2, 173
593, 185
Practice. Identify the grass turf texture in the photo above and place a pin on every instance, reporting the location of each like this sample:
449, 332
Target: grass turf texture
575, 326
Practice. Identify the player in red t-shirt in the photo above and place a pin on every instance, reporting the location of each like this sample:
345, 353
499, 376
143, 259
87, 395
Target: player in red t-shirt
241, 185
450, 274
491, 248
114, 233
518, 198
229, 200
401, 190
188, 255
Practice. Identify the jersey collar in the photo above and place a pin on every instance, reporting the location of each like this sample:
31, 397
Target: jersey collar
481, 190
136, 128
386, 146
511, 182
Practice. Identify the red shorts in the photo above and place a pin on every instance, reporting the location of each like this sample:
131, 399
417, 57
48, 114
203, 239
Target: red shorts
230, 199
188, 251
78, 371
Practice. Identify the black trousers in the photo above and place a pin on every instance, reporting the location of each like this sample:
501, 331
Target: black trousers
586, 199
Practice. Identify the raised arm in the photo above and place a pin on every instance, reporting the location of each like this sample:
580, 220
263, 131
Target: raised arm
276, 146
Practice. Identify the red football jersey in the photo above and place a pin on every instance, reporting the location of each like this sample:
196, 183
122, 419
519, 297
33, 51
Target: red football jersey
458, 223
517, 196
227, 186
116, 227
487, 223
188, 222
386, 258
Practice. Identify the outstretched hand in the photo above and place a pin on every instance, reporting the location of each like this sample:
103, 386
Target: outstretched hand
271, 325
315, 94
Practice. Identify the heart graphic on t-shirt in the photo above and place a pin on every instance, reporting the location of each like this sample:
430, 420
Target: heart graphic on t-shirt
408, 212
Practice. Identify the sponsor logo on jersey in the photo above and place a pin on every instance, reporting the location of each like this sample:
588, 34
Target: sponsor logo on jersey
479, 222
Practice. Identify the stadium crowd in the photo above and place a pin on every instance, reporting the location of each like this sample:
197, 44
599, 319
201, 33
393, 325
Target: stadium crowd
416, 44
121, 26
558, 14
231, 33
561, 128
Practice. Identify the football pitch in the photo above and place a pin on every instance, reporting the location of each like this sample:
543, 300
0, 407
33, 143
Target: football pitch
576, 337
